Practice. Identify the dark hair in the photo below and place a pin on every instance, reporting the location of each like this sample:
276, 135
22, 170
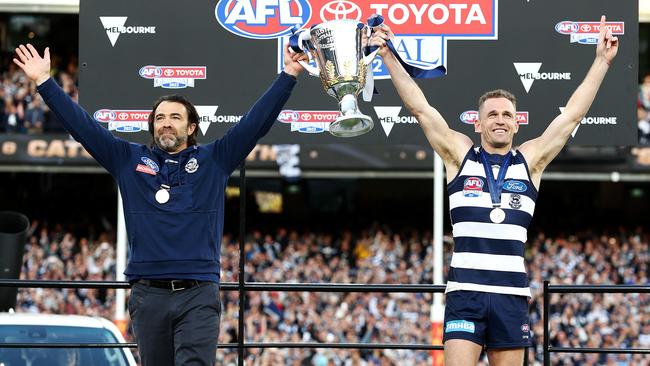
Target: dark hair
497, 93
192, 114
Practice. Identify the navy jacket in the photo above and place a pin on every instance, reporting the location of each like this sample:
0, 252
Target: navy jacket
180, 239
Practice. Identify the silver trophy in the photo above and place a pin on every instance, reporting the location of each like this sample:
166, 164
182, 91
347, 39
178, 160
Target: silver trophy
337, 48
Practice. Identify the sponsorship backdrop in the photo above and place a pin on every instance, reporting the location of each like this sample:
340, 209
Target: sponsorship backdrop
223, 54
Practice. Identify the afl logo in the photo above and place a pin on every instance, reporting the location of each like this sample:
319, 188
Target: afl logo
262, 19
472, 187
469, 117
566, 27
340, 9
149, 72
105, 115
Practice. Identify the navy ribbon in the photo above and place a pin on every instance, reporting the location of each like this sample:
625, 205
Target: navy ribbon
415, 72
294, 41
495, 186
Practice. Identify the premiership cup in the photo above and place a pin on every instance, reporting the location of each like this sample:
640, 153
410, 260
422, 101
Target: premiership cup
342, 67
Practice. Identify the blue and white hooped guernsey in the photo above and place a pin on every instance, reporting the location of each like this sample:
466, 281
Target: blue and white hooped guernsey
489, 257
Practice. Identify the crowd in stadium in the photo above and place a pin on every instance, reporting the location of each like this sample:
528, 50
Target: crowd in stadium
375, 255
21, 108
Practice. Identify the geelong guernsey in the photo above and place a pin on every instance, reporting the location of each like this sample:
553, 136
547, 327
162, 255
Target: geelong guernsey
489, 257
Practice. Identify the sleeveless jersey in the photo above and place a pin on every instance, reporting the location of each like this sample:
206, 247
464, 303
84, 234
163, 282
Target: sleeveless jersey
489, 257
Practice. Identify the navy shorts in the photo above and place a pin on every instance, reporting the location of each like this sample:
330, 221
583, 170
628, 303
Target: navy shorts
487, 319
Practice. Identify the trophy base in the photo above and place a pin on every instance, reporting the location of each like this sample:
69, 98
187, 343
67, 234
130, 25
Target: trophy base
351, 125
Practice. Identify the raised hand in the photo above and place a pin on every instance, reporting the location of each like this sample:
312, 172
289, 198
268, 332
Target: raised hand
607, 43
380, 36
36, 68
291, 64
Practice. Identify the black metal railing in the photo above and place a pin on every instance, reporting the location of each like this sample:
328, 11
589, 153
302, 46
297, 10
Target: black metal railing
574, 289
247, 287
320, 287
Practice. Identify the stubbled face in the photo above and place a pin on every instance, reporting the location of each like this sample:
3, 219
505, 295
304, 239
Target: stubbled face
171, 127
497, 123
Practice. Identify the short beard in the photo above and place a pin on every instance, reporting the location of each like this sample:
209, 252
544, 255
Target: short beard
170, 144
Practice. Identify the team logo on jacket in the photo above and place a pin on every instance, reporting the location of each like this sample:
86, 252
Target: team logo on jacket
515, 186
150, 163
192, 166
473, 187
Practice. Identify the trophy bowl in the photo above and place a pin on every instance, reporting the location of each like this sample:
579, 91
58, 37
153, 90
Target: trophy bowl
337, 47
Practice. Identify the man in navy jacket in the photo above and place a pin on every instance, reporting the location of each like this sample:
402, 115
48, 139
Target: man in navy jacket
173, 193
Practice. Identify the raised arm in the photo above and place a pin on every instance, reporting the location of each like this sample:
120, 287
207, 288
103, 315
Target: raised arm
238, 142
540, 151
449, 144
98, 141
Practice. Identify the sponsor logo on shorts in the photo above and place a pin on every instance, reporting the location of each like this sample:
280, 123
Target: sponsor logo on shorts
460, 326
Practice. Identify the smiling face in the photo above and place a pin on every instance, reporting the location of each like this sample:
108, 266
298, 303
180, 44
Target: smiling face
497, 124
171, 127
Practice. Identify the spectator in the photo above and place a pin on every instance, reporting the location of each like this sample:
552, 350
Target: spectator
576, 320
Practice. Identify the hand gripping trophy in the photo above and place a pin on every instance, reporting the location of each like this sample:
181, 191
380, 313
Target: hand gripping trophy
338, 48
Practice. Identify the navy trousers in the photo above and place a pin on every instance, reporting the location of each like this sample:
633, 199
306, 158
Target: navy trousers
176, 327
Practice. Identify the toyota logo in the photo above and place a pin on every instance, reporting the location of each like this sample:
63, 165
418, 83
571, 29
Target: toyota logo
340, 9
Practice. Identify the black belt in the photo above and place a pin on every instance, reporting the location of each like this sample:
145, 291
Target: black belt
174, 285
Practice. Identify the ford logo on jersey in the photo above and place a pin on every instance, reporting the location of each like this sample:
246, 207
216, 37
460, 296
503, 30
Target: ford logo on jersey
262, 19
515, 186
150, 163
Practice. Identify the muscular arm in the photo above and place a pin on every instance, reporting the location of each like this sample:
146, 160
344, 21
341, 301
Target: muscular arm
540, 151
449, 144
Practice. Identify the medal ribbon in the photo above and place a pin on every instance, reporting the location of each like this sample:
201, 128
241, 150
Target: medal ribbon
495, 186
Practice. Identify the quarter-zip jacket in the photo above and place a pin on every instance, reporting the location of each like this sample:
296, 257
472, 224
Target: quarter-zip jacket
179, 239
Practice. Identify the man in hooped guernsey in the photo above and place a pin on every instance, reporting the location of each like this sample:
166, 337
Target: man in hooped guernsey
492, 192
173, 193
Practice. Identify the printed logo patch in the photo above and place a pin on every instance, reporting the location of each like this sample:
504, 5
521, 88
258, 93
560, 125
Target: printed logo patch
459, 326
526, 330
144, 169
515, 186
473, 187
192, 166
150, 163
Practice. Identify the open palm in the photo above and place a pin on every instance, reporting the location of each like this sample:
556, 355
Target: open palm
36, 67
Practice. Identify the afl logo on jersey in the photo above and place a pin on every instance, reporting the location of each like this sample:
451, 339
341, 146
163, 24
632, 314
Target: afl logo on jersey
473, 187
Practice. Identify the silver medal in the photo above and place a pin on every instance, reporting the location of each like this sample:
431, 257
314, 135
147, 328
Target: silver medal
497, 215
162, 196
